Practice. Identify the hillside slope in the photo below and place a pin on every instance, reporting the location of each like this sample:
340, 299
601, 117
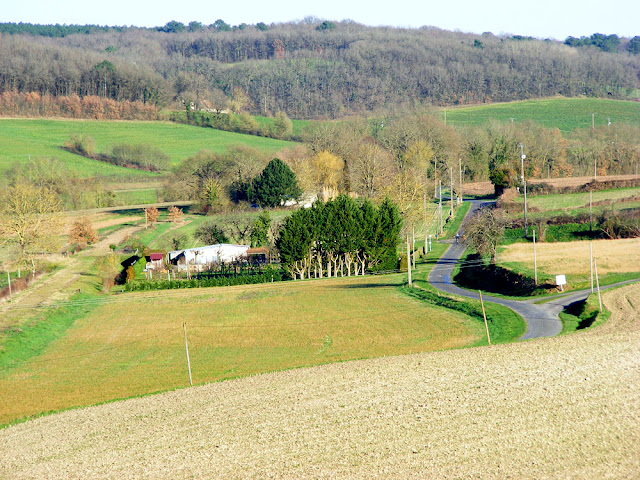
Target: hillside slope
22, 139
566, 407
309, 71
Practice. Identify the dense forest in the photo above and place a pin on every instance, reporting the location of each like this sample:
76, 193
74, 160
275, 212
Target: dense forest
308, 69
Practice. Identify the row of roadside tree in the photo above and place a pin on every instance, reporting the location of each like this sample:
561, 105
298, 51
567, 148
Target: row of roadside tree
340, 237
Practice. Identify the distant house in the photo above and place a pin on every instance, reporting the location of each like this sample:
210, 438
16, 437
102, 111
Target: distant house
208, 255
156, 261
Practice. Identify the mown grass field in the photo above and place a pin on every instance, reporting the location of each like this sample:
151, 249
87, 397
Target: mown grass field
567, 114
134, 344
21, 138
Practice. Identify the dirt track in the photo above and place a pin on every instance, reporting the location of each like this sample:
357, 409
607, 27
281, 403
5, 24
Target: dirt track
564, 407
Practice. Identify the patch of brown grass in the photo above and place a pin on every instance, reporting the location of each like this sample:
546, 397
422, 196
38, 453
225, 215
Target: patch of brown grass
613, 256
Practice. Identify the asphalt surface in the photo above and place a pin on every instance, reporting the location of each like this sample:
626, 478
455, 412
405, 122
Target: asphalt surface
542, 319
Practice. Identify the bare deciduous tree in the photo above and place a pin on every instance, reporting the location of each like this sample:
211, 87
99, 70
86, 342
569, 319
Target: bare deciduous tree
30, 220
484, 231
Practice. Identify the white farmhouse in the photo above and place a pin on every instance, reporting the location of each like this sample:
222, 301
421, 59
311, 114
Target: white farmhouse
208, 255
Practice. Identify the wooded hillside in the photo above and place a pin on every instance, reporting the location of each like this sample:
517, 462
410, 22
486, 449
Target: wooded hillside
307, 69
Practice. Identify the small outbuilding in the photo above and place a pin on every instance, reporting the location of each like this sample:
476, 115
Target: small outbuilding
258, 255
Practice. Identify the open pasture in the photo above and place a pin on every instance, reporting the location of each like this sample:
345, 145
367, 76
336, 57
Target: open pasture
21, 138
134, 344
567, 114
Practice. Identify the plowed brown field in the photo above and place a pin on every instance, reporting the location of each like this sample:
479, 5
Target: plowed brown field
565, 407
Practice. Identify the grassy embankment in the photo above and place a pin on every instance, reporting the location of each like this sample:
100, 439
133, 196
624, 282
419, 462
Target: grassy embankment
567, 114
96, 349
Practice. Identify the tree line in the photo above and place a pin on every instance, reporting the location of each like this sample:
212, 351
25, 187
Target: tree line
309, 69
339, 237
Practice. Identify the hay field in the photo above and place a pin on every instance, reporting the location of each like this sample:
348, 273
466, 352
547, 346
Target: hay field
572, 258
134, 345
558, 408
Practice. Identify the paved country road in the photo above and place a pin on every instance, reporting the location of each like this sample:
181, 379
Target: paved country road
542, 320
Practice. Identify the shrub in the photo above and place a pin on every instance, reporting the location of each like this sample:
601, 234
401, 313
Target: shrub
83, 145
82, 232
131, 274
619, 224
144, 157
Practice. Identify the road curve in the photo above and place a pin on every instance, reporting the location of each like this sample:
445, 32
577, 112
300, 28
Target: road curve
542, 319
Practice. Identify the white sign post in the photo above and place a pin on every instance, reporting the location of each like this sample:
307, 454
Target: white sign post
560, 281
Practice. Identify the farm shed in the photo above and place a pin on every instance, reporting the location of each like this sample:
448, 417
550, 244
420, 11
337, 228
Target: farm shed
156, 261
259, 255
209, 254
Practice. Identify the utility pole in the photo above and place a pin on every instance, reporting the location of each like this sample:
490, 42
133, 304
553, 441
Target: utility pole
424, 207
460, 196
593, 121
522, 157
440, 208
590, 214
413, 245
435, 176
484, 315
591, 262
535, 259
525, 209
595, 267
186, 347
451, 191
524, 186
409, 264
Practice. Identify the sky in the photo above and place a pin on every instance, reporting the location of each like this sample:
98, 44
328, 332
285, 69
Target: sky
556, 19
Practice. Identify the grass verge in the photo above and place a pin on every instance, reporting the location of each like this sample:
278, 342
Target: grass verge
582, 315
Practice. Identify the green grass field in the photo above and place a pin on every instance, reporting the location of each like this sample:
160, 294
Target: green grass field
566, 114
540, 206
21, 138
134, 345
